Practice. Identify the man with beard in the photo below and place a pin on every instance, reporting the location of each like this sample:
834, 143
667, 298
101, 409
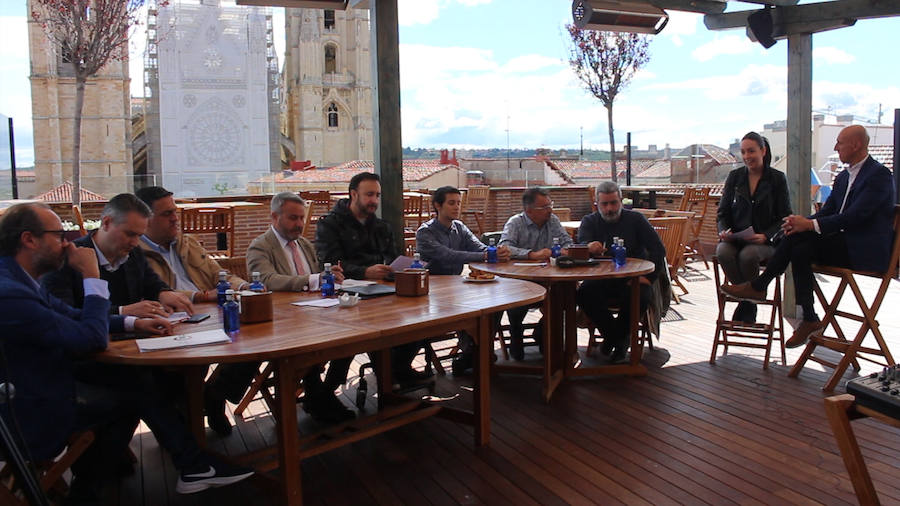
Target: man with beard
529, 235
595, 297
363, 244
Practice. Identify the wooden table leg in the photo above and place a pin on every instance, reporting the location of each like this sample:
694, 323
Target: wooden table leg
288, 438
836, 408
565, 297
554, 355
636, 349
482, 395
193, 384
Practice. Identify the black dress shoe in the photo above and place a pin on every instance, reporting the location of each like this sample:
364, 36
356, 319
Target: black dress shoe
325, 407
607, 347
214, 404
516, 350
462, 363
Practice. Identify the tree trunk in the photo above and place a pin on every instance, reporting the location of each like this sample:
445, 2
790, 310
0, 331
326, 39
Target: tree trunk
612, 143
76, 138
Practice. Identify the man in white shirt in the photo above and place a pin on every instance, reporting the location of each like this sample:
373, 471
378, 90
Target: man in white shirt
286, 262
853, 229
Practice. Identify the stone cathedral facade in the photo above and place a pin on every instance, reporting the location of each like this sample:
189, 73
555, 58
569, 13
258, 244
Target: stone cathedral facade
327, 108
211, 75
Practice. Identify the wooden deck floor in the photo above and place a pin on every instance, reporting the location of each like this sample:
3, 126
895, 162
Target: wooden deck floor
688, 433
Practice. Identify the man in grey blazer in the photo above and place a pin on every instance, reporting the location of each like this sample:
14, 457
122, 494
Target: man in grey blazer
286, 262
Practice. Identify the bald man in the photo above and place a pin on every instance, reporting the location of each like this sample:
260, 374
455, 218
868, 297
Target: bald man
853, 229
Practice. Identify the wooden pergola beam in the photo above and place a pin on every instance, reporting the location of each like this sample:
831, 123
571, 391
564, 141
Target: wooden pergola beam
837, 11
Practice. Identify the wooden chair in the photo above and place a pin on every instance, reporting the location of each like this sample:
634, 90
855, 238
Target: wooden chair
236, 266
318, 204
853, 350
696, 200
476, 202
748, 335
644, 336
79, 220
211, 220
671, 233
592, 196
503, 335
409, 246
49, 474
413, 211
563, 213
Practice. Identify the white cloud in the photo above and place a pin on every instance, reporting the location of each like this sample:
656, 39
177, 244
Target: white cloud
531, 63
832, 56
15, 88
417, 12
723, 45
680, 24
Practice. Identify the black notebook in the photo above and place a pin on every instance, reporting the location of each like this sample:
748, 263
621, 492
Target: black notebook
369, 291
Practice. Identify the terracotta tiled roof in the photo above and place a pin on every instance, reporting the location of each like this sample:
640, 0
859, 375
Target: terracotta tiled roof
884, 154
413, 170
576, 169
659, 169
720, 155
63, 193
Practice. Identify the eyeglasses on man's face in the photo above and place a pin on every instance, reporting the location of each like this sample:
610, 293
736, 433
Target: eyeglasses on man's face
543, 208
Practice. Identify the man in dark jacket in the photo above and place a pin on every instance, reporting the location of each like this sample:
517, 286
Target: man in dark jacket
40, 335
853, 229
595, 297
134, 287
363, 244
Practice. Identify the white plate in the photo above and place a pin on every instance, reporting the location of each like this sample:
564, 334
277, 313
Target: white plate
478, 280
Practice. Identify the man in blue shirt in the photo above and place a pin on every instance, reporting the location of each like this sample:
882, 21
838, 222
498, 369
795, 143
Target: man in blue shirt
529, 235
447, 244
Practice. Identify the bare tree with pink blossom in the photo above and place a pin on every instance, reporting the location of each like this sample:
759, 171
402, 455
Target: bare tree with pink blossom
605, 63
88, 34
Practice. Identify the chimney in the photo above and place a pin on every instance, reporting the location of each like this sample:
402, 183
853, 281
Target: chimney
444, 158
667, 153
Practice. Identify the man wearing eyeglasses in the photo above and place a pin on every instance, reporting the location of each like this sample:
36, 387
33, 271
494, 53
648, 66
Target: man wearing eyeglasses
529, 235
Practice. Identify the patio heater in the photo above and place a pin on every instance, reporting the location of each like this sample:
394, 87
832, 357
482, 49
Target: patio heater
616, 16
302, 4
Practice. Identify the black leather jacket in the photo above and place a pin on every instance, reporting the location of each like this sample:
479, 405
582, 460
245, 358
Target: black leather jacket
341, 237
763, 210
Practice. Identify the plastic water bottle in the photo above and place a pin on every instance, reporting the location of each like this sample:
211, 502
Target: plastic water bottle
257, 285
232, 313
620, 255
221, 287
326, 282
556, 250
492, 252
417, 262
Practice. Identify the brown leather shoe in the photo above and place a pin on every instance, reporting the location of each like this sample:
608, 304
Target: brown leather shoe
744, 291
803, 332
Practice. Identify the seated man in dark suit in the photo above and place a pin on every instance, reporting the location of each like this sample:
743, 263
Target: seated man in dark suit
40, 335
133, 286
595, 297
853, 229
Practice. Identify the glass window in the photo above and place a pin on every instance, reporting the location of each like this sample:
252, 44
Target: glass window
332, 115
330, 60
329, 19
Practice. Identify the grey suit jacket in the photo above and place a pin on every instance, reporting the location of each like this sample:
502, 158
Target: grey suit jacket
267, 257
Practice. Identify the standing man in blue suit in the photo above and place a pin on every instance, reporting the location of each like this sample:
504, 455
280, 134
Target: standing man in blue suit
853, 229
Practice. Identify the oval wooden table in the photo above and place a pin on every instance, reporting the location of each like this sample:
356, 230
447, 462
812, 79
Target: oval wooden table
560, 330
301, 337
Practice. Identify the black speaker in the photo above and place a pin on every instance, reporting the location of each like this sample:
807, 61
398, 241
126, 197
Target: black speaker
760, 24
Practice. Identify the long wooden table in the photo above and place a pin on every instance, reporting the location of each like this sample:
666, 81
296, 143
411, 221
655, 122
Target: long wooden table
299, 338
559, 308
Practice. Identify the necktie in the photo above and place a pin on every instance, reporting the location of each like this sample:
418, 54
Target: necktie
298, 259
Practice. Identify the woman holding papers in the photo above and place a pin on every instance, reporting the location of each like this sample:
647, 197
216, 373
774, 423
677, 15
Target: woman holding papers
753, 204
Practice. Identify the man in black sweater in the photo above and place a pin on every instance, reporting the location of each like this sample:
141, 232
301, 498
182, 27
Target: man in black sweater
596, 296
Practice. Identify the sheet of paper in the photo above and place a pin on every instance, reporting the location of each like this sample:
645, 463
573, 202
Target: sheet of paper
183, 340
743, 235
530, 264
403, 262
317, 303
353, 282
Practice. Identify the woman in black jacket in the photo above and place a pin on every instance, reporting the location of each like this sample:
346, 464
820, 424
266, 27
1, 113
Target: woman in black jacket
755, 198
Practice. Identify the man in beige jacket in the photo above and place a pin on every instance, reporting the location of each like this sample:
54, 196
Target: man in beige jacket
178, 259
286, 262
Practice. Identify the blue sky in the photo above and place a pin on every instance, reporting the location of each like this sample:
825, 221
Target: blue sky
469, 68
